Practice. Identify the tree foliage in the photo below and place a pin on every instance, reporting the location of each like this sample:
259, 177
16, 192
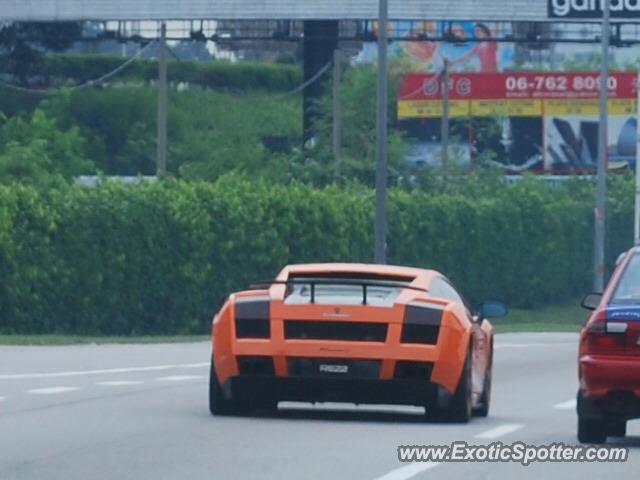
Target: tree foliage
35, 150
25, 42
214, 132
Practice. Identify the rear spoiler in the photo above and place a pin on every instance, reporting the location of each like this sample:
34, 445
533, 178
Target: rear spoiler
364, 284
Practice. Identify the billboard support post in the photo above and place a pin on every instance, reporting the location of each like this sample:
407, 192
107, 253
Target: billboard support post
337, 116
636, 237
603, 140
162, 101
445, 115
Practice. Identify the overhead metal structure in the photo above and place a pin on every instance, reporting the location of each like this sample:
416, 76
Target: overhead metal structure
473, 10
533, 35
283, 20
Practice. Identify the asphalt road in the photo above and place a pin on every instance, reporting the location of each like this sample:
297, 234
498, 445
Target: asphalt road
140, 412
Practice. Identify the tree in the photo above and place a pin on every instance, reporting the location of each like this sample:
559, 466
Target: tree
35, 150
24, 43
359, 144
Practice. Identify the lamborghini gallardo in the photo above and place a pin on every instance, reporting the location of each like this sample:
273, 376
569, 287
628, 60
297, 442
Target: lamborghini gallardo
364, 334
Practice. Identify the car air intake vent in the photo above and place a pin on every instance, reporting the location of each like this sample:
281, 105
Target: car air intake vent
413, 370
252, 318
345, 331
422, 324
246, 328
256, 366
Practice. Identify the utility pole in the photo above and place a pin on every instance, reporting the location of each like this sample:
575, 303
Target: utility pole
636, 236
122, 29
601, 189
445, 115
163, 101
337, 115
381, 170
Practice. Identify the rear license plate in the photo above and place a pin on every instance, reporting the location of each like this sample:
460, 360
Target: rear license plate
333, 369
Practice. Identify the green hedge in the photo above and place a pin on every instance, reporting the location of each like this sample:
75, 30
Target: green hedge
56, 68
159, 259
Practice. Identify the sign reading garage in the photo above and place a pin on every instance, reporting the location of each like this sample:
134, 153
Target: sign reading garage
593, 8
572, 9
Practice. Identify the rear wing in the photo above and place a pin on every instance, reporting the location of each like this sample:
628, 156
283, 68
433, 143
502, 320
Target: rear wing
364, 284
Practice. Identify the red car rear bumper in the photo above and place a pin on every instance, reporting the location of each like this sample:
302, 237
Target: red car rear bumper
610, 384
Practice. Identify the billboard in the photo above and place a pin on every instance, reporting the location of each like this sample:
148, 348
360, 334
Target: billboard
472, 48
528, 121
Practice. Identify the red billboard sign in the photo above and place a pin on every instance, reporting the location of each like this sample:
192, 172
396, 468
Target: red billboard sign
542, 121
515, 94
517, 85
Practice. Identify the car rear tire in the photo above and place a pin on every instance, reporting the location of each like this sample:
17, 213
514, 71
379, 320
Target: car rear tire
482, 410
592, 430
617, 429
461, 407
218, 403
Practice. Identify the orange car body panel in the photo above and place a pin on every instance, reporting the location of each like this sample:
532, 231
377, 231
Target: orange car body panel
448, 355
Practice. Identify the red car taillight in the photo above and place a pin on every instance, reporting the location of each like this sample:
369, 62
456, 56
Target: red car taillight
602, 338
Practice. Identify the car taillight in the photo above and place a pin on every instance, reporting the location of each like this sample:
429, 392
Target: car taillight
601, 337
252, 318
422, 324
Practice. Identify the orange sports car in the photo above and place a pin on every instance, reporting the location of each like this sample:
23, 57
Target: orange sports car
353, 333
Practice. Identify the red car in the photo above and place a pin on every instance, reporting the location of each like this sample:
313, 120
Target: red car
609, 362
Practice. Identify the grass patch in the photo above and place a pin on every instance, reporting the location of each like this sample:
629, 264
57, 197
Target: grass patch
559, 318
41, 340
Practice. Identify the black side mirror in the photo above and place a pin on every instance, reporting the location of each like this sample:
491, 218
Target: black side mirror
493, 310
592, 301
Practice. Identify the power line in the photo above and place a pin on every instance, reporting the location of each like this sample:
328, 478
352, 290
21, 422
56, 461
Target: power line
308, 83
87, 84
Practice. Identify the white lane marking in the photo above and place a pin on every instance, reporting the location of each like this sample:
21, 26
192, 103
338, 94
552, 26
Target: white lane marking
500, 431
52, 390
408, 471
25, 376
119, 383
532, 345
180, 378
568, 405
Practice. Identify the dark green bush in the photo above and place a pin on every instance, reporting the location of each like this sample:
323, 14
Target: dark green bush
159, 258
62, 68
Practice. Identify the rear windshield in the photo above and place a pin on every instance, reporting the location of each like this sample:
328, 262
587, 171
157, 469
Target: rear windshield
327, 293
628, 289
